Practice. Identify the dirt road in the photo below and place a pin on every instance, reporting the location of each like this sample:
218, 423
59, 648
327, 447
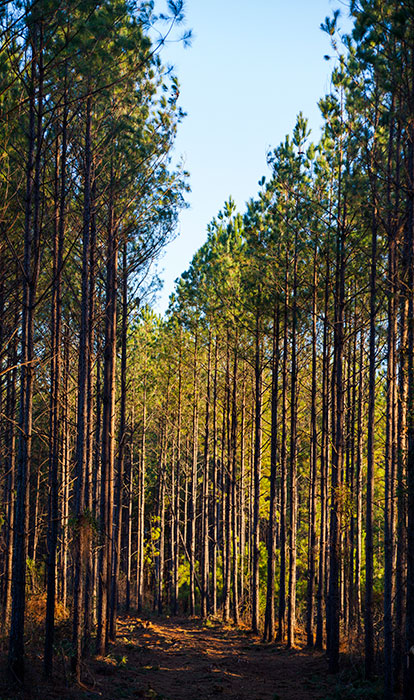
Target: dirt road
182, 659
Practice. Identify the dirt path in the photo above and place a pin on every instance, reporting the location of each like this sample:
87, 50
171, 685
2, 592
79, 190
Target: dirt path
186, 660
182, 659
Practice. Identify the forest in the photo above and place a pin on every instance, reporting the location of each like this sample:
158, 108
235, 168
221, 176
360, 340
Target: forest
247, 459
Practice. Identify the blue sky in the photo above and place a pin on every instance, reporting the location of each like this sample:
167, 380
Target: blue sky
251, 68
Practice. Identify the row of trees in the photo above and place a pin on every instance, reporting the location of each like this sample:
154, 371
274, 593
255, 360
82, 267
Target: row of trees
253, 452
88, 199
275, 401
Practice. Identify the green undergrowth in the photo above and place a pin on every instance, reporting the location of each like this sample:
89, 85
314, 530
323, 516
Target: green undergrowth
353, 688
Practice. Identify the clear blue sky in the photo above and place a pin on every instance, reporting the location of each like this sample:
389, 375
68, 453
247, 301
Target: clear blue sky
251, 68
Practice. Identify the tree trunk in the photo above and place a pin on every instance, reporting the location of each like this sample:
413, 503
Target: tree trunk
31, 263
293, 496
176, 495
234, 488
193, 504
205, 496
55, 375
369, 545
257, 470
117, 527
323, 461
312, 473
82, 419
333, 611
269, 630
108, 434
283, 467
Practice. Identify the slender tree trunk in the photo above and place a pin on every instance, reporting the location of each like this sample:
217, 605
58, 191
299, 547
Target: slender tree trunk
130, 483
242, 490
55, 374
409, 251
176, 495
293, 496
108, 434
65, 471
257, 470
82, 422
401, 431
141, 503
31, 262
269, 630
193, 504
359, 468
96, 480
35, 524
333, 611
369, 545
352, 392
234, 488
226, 493
11, 473
159, 591
390, 453
283, 467
312, 474
205, 499
215, 505
117, 529
401, 567
323, 462
89, 606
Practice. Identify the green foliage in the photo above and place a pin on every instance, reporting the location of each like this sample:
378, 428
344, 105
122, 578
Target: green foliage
359, 689
117, 660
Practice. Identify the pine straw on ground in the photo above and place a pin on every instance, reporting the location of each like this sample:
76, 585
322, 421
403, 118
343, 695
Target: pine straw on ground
180, 659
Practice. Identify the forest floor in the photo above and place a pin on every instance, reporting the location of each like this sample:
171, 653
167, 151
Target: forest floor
185, 659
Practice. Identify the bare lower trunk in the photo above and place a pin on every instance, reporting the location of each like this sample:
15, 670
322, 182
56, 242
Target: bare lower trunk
269, 630
257, 471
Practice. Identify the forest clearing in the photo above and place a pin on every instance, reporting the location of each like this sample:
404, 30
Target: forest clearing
238, 472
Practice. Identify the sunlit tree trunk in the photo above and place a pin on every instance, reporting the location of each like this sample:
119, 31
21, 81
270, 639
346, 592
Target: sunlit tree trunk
293, 496
108, 432
257, 459
233, 450
312, 472
269, 629
215, 493
283, 465
205, 493
194, 476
